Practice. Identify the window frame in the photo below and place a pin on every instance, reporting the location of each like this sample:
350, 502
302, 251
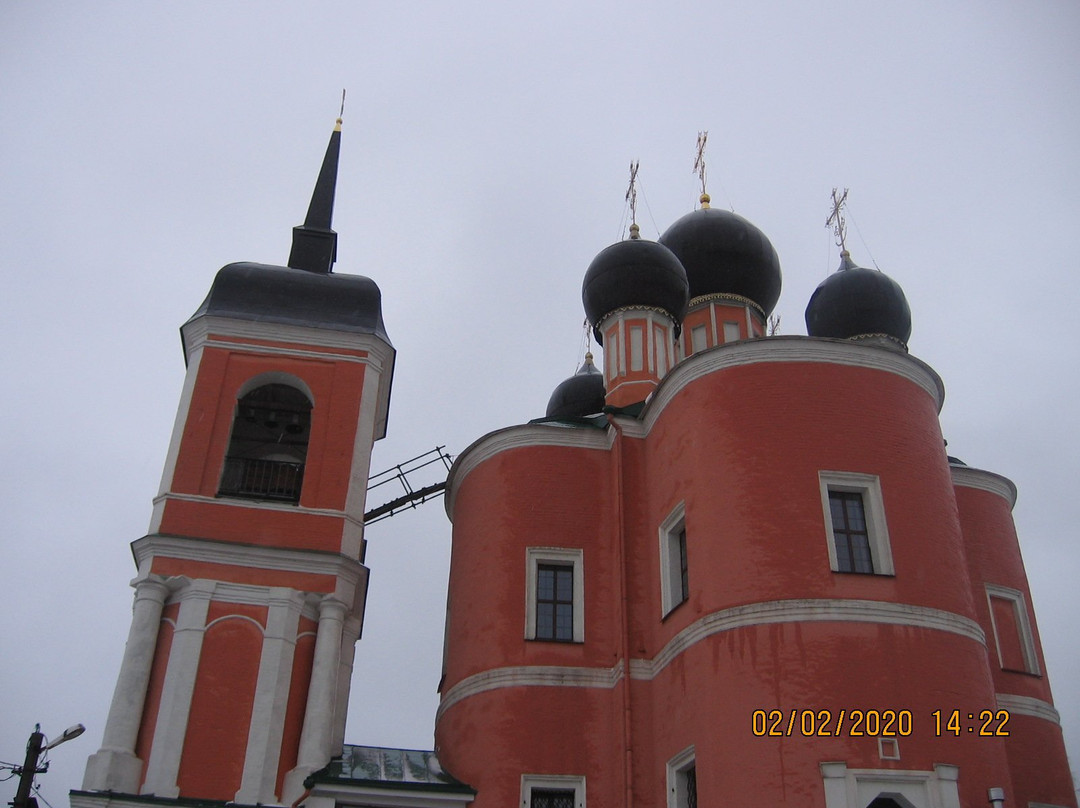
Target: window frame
869, 487
558, 556
553, 781
677, 796
671, 578
1023, 627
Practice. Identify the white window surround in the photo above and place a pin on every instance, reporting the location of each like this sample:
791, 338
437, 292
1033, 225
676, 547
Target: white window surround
855, 788
731, 332
1023, 626
869, 486
676, 778
534, 557
670, 572
563, 781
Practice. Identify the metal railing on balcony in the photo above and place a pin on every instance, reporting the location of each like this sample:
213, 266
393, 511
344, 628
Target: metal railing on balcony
253, 478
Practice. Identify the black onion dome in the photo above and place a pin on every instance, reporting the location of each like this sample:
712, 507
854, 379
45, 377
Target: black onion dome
723, 253
634, 273
580, 395
858, 302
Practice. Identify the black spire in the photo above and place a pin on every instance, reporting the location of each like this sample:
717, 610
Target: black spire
314, 245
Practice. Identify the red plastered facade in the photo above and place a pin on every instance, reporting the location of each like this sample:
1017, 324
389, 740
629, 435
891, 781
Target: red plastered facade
743, 445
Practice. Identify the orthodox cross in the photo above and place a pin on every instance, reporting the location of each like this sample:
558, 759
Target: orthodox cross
836, 218
699, 163
631, 196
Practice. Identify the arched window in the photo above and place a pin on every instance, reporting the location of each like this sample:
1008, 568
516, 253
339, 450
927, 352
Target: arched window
268, 446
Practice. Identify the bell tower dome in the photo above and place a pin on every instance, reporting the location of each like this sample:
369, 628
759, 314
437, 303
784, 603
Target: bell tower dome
251, 585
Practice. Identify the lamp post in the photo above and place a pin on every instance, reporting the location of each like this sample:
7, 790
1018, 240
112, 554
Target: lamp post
30, 768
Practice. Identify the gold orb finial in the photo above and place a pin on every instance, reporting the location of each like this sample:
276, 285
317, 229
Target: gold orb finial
705, 200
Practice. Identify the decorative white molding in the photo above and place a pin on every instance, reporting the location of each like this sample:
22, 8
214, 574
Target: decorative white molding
215, 328
969, 477
1027, 705
869, 487
518, 437
329, 795
793, 349
259, 505
561, 781
806, 610
677, 796
855, 788
572, 556
756, 614
529, 676
1023, 624
670, 558
247, 555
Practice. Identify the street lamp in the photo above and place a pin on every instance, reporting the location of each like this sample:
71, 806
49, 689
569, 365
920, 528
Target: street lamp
30, 768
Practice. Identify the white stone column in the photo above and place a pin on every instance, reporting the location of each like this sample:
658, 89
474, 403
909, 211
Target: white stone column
350, 635
115, 767
177, 690
271, 699
315, 737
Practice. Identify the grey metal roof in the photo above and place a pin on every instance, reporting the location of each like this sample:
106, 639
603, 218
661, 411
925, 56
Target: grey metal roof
389, 768
278, 294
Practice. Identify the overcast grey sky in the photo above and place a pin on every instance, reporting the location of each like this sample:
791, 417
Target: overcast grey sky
484, 161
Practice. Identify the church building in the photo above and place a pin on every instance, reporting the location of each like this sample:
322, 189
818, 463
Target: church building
726, 567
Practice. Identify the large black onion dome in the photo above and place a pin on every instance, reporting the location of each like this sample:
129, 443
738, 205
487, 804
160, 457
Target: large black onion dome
580, 395
634, 273
858, 302
725, 254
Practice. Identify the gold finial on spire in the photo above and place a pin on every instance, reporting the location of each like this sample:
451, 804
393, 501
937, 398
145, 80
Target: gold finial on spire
341, 114
837, 221
699, 166
631, 197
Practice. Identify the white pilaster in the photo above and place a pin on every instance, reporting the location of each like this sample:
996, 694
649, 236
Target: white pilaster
177, 690
271, 698
115, 767
317, 732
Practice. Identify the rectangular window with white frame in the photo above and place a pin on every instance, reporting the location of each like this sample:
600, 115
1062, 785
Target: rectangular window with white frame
554, 594
682, 780
674, 566
552, 791
858, 536
1012, 630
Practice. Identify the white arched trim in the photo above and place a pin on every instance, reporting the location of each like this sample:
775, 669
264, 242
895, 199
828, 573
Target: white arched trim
755, 614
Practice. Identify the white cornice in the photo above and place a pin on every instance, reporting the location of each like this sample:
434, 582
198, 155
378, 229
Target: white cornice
792, 349
1026, 705
529, 676
247, 555
754, 614
210, 327
393, 795
516, 437
260, 505
806, 610
969, 477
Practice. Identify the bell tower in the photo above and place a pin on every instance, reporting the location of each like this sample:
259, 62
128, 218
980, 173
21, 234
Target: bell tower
250, 590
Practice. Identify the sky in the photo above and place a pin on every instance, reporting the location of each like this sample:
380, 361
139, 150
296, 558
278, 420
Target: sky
484, 163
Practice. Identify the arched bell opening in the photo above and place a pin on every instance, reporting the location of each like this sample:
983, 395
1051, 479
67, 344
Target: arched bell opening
268, 445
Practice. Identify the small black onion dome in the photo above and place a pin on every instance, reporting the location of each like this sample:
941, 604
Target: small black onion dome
858, 302
580, 395
723, 253
634, 273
